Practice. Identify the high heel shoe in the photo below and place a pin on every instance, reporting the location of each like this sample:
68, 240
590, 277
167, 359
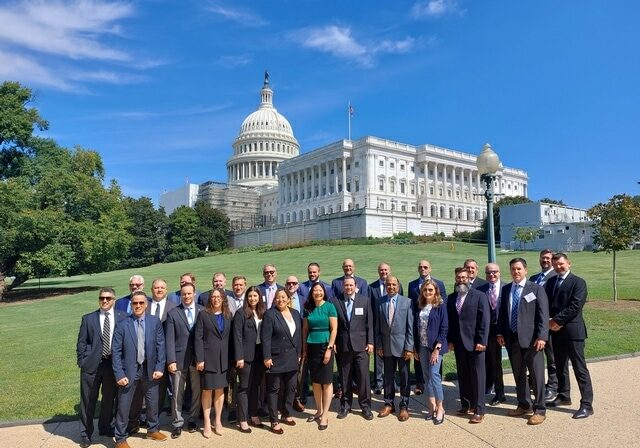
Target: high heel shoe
322, 427
275, 430
437, 421
313, 418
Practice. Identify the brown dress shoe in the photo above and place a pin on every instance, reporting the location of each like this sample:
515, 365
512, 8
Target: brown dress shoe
404, 415
122, 444
465, 411
157, 436
385, 411
536, 419
519, 412
476, 418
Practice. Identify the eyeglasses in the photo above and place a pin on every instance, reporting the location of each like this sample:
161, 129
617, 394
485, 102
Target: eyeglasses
269, 272
106, 298
137, 303
292, 283
492, 272
136, 284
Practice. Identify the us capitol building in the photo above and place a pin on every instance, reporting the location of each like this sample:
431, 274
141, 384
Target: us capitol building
346, 189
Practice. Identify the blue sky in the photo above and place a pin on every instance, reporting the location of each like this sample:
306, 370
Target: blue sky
160, 88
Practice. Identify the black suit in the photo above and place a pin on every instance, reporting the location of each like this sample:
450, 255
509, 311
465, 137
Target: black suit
245, 336
493, 356
552, 377
532, 324
284, 350
565, 307
467, 329
355, 332
95, 372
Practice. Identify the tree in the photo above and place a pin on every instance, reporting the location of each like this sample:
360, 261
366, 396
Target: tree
508, 200
552, 201
183, 234
149, 234
616, 227
525, 235
213, 233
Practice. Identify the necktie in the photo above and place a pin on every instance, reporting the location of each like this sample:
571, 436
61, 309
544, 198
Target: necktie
157, 313
189, 318
392, 309
540, 278
493, 296
140, 332
558, 283
349, 306
106, 336
515, 301
459, 303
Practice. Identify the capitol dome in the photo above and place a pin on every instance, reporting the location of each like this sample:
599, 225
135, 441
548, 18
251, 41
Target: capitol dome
265, 140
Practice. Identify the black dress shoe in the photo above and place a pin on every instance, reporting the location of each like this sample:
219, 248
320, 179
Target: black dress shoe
133, 430
342, 413
177, 432
367, 414
338, 394
108, 433
85, 442
377, 391
550, 395
192, 427
583, 412
246, 430
497, 400
559, 401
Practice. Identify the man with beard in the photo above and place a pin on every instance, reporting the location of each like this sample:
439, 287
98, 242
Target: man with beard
469, 316
313, 274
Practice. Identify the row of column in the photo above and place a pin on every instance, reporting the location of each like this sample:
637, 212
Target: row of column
302, 184
461, 184
252, 170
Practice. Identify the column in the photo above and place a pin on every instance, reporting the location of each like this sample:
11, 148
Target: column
313, 181
326, 178
335, 176
299, 186
344, 174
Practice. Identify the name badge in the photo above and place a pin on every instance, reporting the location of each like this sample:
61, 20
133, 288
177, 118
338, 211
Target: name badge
264, 299
530, 297
359, 311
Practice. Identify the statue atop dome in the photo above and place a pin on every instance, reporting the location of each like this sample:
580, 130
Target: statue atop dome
266, 78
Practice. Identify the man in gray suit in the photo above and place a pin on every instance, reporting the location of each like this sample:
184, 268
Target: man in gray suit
394, 342
180, 327
523, 327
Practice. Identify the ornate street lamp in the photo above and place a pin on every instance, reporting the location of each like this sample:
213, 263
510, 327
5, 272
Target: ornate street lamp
488, 163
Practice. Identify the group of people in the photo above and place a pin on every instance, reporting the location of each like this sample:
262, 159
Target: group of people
255, 347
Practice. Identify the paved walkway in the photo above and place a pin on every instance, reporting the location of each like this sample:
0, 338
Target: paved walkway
616, 423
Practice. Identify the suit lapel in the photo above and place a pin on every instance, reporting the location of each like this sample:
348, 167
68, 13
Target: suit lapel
284, 326
183, 315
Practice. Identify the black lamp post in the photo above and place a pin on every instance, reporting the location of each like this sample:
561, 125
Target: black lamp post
488, 163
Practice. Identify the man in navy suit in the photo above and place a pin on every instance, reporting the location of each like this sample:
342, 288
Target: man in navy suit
568, 294
136, 283
138, 362
349, 270
424, 272
180, 329
377, 290
313, 273
269, 287
469, 316
185, 278
472, 268
394, 342
523, 328
93, 350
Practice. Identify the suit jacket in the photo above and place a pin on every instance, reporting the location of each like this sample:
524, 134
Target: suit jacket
180, 338
234, 306
362, 287
124, 303
124, 350
354, 335
545, 278
471, 327
374, 291
177, 299
203, 297
263, 291
277, 342
245, 336
437, 328
565, 306
211, 345
533, 315
397, 336
477, 283
493, 327
89, 345
414, 289
305, 288
168, 306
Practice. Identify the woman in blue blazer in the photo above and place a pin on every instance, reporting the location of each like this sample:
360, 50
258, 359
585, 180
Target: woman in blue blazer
430, 335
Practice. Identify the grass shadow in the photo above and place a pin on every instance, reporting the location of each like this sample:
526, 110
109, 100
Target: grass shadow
35, 293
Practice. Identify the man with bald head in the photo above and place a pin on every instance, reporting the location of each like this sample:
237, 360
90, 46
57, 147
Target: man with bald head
349, 270
136, 283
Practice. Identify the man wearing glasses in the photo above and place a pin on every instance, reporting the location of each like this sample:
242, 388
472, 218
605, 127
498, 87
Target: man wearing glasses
269, 286
94, 359
138, 361
136, 283
186, 278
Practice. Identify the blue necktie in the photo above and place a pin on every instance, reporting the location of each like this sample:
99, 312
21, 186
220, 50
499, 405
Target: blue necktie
349, 306
189, 318
515, 301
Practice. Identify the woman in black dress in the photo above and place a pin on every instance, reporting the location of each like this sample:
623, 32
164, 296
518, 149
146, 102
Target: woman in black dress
281, 336
246, 340
213, 328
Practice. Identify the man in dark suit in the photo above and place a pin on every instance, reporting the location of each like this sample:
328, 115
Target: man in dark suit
472, 268
541, 278
180, 326
349, 270
313, 274
136, 283
394, 342
218, 281
93, 350
138, 361
493, 356
469, 317
354, 344
269, 287
523, 327
185, 278
568, 294
377, 290
424, 274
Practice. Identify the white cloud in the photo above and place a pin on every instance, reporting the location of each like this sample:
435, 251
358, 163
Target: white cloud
340, 42
145, 115
434, 8
234, 61
238, 15
14, 66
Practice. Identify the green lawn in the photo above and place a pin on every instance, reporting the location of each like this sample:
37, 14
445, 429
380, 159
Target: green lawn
39, 378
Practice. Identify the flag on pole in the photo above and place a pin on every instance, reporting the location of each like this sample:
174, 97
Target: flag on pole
351, 111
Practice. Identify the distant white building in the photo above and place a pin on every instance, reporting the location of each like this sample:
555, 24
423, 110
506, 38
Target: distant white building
558, 227
185, 195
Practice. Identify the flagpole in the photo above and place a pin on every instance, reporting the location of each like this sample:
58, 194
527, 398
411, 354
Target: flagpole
349, 118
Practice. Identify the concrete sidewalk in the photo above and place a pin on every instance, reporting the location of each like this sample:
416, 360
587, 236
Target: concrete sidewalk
615, 424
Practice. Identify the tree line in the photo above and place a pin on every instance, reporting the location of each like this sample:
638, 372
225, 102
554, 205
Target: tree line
60, 216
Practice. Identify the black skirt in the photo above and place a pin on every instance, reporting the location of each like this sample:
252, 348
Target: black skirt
213, 380
320, 373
